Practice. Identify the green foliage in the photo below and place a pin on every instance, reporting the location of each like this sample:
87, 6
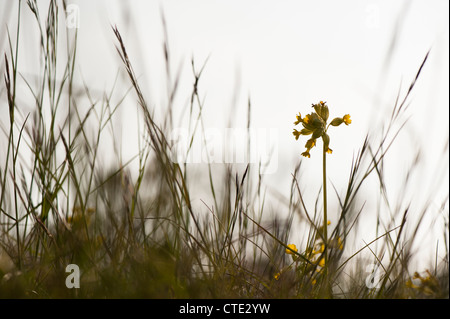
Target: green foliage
142, 237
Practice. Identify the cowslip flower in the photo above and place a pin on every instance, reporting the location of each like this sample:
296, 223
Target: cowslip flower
426, 284
347, 119
292, 248
315, 124
322, 262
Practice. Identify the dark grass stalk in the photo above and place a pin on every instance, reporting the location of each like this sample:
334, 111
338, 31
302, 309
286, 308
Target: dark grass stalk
172, 173
195, 97
11, 93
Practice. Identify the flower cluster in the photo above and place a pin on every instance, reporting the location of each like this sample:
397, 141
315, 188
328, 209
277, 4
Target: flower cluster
314, 253
315, 124
290, 249
426, 284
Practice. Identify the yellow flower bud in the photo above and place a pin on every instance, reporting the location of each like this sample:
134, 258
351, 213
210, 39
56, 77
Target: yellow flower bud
310, 143
322, 110
292, 247
347, 119
307, 119
322, 262
296, 134
340, 244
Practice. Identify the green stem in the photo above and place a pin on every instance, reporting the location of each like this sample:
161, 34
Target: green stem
325, 217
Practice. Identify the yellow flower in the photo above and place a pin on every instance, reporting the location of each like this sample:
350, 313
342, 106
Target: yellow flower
322, 262
306, 154
292, 247
428, 284
277, 276
340, 244
307, 119
315, 123
296, 134
410, 284
320, 250
347, 119
299, 119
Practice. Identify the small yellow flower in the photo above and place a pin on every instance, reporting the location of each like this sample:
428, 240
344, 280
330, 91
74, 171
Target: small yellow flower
299, 119
322, 262
427, 284
292, 247
410, 284
316, 123
307, 119
340, 243
319, 250
296, 134
347, 119
277, 276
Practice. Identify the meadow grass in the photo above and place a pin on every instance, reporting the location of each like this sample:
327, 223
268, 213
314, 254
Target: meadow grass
141, 236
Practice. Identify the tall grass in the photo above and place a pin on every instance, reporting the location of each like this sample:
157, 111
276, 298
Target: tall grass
141, 236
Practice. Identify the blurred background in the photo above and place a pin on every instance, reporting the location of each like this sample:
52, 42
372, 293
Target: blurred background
282, 56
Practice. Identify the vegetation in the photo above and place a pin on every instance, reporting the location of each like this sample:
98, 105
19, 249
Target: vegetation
141, 237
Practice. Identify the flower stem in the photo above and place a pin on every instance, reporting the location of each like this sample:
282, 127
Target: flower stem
325, 217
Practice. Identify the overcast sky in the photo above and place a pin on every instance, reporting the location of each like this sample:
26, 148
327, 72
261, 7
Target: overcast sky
285, 55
